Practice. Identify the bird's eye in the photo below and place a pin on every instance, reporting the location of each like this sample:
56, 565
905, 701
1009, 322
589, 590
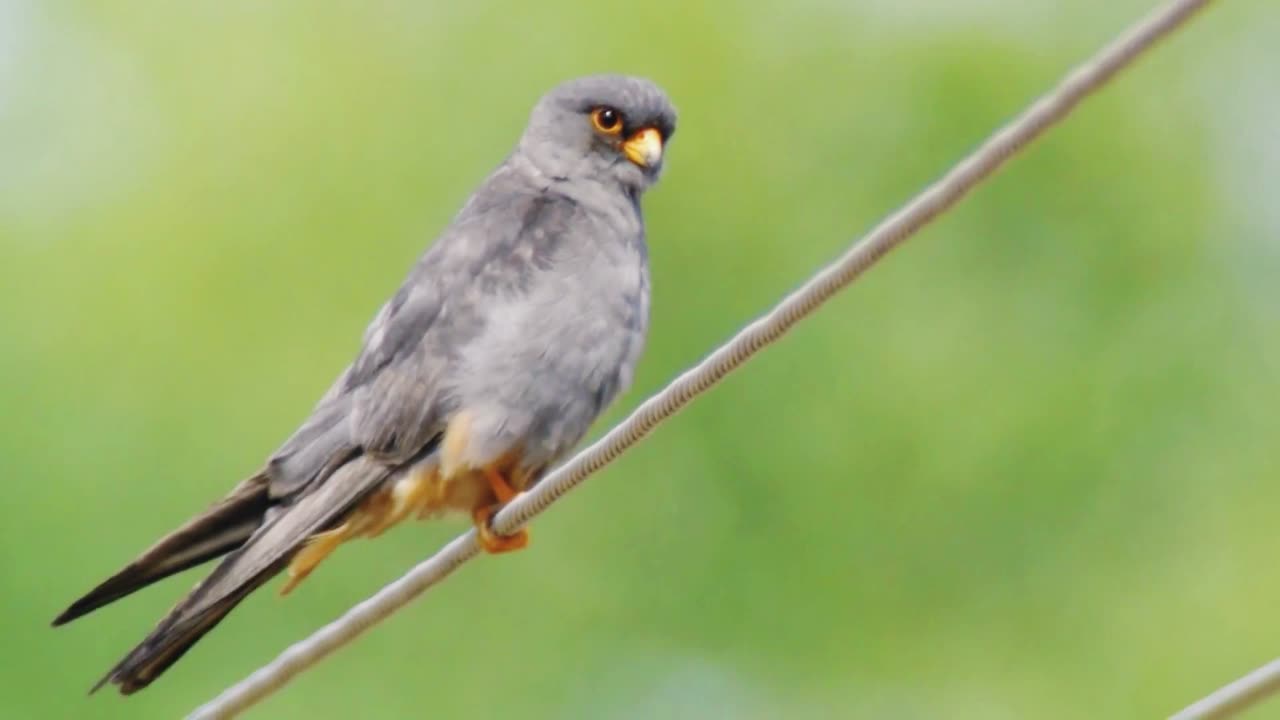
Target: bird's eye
607, 120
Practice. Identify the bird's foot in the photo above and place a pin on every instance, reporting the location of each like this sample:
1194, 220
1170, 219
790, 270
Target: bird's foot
493, 542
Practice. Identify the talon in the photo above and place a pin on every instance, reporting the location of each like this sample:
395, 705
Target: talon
491, 541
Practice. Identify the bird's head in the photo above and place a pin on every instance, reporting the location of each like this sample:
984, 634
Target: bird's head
606, 128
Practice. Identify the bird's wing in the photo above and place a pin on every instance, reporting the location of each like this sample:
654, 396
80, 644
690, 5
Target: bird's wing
395, 399
386, 404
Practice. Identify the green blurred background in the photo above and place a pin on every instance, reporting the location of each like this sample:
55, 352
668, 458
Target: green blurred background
1026, 468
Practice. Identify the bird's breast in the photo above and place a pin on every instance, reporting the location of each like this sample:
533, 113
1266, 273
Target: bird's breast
552, 358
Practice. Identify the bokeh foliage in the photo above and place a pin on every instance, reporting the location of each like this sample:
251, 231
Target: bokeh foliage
1027, 468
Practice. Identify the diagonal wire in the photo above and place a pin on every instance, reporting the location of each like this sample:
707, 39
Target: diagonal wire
1234, 697
936, 199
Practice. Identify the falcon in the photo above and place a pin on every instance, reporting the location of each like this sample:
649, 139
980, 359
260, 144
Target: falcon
511, 334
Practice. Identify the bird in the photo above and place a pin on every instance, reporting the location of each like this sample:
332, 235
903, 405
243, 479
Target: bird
510, 335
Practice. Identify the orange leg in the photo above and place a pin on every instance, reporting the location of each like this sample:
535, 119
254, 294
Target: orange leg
313, 552
489, 540
408, 495
501, 488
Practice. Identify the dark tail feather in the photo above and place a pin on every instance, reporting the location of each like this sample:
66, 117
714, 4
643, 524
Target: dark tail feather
258, 558
215, 532
176, 634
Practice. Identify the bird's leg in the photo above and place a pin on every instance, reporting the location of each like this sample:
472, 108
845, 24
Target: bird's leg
489, 540
313, 552
408, 494
501, 488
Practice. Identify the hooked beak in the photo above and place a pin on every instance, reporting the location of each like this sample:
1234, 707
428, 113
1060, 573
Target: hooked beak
644, 148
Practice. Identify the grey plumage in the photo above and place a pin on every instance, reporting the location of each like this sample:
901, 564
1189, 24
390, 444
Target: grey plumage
527, 315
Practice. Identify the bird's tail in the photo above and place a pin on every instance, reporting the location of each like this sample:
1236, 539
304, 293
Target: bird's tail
222, 528
258, 544
178, 632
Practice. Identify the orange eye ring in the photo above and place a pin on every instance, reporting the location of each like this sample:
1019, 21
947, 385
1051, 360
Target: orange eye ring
607, 120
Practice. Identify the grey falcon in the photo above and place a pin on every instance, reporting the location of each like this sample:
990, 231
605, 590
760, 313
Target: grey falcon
511, 334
